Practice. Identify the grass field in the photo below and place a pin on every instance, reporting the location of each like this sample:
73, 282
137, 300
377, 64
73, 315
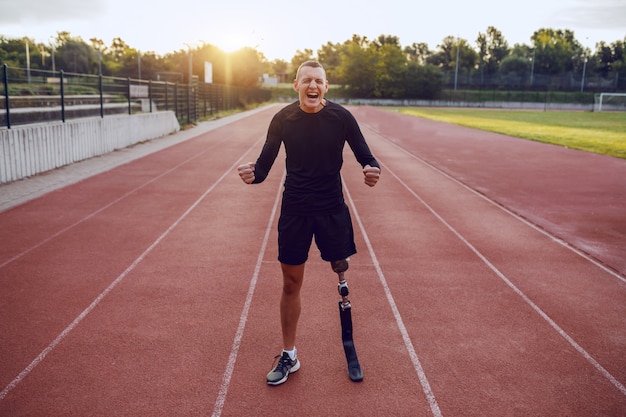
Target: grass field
603, 133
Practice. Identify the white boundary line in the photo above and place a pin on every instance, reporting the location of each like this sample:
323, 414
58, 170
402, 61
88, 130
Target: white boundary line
519, 292
506, 210
119, 279
432, 401
100, 210
19, 192
120, 158
234, 351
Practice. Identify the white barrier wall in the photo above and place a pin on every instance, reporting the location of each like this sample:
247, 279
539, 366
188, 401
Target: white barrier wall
32, 149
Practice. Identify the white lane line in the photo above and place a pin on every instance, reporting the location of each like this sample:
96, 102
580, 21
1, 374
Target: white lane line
519, 292
507, 210
119, 279
100, 210
432, 401
234, 351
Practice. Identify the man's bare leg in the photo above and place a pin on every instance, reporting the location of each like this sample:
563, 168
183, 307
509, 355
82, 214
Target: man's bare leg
287, 363
290, 306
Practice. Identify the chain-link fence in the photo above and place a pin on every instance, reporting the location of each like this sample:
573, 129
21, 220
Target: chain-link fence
534, 81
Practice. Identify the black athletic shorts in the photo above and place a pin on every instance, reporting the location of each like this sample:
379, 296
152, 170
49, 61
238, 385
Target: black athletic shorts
333, 234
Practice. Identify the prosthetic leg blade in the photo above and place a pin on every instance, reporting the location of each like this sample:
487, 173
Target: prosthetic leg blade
354, 368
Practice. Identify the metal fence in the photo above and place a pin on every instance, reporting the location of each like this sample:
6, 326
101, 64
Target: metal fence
532, 80
33, 96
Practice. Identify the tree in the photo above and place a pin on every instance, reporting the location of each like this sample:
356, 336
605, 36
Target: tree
100, 48
246, 67
446, 58
13, 52
379, 68
418, 52
299, 58
423, 81
619, 54
127, 60
357, 68
206, 52
330, 56
554, 50
516, 70
493, 48
114, 56
279, 68
609, 57
150, 65
604, 55
74, 55
390, 67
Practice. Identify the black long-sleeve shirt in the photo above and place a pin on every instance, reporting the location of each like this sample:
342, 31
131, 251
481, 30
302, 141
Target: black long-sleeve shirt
314, 156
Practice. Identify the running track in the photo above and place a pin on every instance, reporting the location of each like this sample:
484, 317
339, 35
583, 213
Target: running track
490, 281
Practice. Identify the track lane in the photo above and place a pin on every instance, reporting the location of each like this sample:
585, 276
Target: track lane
590, 297
137, 218
527, 177
160, 341
524, 259
322, 386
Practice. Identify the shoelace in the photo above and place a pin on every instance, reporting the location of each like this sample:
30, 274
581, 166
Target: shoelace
283, 363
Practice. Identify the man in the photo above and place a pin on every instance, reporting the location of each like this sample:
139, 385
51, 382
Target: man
314, 132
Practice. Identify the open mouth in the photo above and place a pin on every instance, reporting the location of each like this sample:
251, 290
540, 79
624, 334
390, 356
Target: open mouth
312, 96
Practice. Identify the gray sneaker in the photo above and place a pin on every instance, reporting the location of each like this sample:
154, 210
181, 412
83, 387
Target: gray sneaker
282, 370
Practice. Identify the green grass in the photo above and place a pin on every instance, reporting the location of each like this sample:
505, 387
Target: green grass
603, 133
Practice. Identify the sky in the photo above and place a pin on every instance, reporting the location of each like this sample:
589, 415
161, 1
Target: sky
279, 28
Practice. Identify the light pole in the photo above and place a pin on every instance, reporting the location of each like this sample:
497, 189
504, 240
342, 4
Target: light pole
582, 82
190, 62
532, 68
189, 87
27, 41
456, 70
53, 47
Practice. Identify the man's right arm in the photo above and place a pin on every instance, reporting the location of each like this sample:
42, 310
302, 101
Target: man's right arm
256, 172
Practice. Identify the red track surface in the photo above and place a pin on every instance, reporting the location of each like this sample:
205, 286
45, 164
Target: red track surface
490, 281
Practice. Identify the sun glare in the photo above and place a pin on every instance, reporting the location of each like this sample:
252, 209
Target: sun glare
234, 42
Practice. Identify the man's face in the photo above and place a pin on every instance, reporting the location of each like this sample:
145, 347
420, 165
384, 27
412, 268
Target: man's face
311, 86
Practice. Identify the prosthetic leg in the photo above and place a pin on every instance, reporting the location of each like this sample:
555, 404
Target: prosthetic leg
345, 313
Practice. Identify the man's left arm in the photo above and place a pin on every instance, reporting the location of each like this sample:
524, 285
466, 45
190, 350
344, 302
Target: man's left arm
356, 140
372, 175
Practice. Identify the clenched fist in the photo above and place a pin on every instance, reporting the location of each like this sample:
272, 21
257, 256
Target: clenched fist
372, 174
246, 172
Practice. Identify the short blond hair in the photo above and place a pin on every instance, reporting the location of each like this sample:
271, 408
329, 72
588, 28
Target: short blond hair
312, 64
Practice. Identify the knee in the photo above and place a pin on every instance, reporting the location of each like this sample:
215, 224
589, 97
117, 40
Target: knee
290, 286
292, 279
339, 266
